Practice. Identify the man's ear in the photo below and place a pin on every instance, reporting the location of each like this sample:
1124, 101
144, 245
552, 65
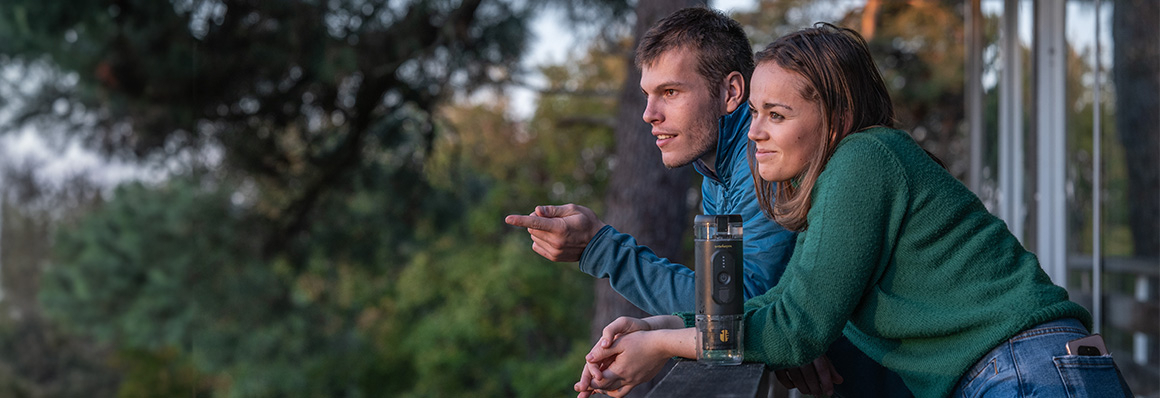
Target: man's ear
734, 91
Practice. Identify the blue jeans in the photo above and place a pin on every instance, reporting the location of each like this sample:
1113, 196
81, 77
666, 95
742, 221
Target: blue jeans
1035, 363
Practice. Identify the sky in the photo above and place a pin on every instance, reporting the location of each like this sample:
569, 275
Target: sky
57, 164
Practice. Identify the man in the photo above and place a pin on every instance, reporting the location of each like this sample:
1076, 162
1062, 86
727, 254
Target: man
696, 94
695, 69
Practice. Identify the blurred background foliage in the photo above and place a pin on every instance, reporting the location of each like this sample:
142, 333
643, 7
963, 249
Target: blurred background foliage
329, 223
328, 183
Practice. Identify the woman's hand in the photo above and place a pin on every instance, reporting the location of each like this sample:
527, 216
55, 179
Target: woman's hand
631, 359
622, 326
814, 378
584, 386
624, 358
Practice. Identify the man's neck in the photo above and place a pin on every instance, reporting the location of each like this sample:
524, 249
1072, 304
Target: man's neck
709, 161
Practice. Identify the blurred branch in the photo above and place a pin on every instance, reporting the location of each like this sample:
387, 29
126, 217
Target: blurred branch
581, 93
586, 121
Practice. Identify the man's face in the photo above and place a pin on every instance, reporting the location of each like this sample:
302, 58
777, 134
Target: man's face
680, 108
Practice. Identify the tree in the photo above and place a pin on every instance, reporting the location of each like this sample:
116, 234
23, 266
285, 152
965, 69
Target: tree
39, 358
917, 45
1137, 96
287, 257
291, 94
639, 182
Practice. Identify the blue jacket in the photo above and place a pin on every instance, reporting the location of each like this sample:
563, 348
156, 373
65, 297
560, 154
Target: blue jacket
659, 286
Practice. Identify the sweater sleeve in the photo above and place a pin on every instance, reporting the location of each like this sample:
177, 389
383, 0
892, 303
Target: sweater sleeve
857, 204
656, 285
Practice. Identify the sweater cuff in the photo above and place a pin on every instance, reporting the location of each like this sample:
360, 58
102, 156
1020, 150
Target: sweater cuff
589, 250
689, 319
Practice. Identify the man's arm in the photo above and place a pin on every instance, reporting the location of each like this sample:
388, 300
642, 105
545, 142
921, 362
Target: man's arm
574, 233
559, 233
656, 285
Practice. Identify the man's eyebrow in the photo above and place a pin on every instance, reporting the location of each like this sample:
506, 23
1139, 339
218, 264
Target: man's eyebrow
669, 84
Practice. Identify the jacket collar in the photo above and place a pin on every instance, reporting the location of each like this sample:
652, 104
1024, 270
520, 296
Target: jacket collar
732, 141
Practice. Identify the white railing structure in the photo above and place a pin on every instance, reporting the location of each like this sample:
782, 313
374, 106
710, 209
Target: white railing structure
1050, 65
1011, 167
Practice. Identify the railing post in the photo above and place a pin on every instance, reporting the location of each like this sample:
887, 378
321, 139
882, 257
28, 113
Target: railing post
1051, 137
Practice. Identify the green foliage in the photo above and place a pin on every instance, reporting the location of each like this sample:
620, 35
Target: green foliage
408, 285
159, 374
171, 243
38, 359
292, 97
336, 247
179, 266
173, 273
486, 321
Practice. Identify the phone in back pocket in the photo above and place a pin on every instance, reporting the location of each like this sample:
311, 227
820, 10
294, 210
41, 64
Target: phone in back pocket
1090, 346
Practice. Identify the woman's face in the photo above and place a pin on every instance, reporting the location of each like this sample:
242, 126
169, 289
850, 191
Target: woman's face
786, 128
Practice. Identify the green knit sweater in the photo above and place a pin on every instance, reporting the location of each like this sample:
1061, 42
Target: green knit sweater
905, 261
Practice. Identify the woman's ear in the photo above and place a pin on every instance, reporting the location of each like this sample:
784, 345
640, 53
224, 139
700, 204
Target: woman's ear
844, 126
734, 91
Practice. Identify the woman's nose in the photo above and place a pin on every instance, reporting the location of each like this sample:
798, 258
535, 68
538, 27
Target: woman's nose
755, 132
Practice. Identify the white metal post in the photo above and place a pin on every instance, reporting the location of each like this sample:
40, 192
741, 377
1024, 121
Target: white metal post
1097, 186
1011, 167
1051, 135
3, 206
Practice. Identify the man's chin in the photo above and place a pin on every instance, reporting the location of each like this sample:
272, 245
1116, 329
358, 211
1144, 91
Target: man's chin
675, 163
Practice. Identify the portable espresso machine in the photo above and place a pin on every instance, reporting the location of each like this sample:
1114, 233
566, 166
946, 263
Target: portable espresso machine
719, 263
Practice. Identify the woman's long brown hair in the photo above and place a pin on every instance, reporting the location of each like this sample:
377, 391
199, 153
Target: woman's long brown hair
843, 81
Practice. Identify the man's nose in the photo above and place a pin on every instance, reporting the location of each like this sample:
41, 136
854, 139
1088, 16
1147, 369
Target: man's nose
652, 113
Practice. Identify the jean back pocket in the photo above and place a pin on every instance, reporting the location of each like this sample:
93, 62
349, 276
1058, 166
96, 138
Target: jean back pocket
1091, 376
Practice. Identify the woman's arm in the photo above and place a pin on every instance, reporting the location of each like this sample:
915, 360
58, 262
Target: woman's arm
624, 326
634, 358
646, 344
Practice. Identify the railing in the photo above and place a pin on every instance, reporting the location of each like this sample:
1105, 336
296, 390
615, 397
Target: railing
1130, 308
693, 379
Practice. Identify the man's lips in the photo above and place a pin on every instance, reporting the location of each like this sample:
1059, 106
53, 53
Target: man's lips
662, 138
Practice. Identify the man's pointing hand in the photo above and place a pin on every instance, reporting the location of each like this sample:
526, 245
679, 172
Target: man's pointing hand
559, 233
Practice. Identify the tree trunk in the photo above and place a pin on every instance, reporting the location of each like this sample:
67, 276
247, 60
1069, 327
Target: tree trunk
644, 198
1137, 79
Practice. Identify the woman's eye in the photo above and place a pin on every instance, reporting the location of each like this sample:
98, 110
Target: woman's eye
776, 116
752, 111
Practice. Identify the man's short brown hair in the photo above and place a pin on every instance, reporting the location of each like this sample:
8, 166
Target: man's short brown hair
719, 41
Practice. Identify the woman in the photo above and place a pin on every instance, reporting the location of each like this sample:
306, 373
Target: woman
893, 252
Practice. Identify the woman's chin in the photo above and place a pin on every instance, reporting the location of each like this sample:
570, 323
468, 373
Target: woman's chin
771, 177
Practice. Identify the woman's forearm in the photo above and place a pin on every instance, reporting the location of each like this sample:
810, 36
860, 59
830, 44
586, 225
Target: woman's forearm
677, 342
671, 337
665, 322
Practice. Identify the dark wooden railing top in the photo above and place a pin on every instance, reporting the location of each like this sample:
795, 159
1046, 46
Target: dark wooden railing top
694, 379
